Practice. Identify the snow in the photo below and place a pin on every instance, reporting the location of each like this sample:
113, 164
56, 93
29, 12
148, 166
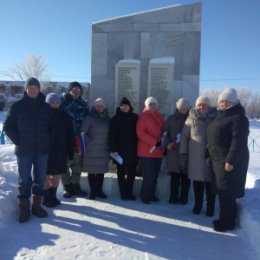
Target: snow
129, 61
115, 229
163, 60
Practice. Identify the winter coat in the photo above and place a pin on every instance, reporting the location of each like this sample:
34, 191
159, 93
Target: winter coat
194, 143
62, 143
96, 127
122, 135
149, 131
173, 127
29, 124
227, 136
77, 109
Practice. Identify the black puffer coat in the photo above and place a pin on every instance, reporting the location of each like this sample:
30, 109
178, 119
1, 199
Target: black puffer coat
227, 141
62, 143
122, 135
29, 124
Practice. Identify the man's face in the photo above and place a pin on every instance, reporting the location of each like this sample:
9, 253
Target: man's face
75, 92
32, 91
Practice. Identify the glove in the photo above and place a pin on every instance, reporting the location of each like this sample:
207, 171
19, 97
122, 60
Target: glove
183, 163
172, 146
158, 143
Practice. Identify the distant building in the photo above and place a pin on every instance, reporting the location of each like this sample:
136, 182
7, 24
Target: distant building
11, 91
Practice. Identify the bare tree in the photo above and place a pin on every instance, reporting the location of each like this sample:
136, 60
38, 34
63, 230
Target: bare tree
32, 66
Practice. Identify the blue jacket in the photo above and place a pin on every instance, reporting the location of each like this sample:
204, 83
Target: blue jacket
29, 124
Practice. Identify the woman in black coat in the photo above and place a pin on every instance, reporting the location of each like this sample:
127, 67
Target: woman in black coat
123, 142
227, 141
62, 143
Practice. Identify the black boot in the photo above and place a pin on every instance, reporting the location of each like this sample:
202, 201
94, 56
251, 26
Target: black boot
25, 213
47, 199
210, 200
54, 199
77, 191
92, 186
122, 184
198, 187
99, 185
185, 187
174, 187
67, 191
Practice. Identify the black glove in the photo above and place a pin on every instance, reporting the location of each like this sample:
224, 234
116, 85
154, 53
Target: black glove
158, 143
183, 163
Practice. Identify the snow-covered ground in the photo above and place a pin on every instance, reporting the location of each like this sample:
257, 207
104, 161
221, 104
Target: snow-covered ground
115, 229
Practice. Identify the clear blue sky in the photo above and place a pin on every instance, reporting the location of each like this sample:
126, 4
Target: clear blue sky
60, 31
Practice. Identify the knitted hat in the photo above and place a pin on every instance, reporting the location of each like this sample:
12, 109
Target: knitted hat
31, 82
99, 101
53, 98
125, 101
228, 94
74, 84
183, 103
150, 100
202, 100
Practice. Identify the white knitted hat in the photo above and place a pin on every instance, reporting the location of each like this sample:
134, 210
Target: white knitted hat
202, 100
228, 94
100, 101
150, 100
183, 103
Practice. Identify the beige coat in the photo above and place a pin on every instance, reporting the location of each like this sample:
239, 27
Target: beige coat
194, 143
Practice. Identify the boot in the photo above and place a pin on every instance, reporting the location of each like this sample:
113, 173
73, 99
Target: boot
198, 187
67, 191
174, 187
185, 187
92, 185
77, 191
210, 201
53, 193
99, 184
24, 204
37, 209
47, 201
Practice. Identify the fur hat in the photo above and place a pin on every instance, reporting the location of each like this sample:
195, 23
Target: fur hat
202, 100
150, 100
125, 101
228, 94
99, 101
32, 82
74, 84
53, 98
183, 103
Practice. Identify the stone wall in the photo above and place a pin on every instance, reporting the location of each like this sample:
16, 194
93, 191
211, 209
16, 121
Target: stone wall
173, 31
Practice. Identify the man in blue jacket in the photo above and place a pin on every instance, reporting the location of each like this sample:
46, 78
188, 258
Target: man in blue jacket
28, 125
77, 110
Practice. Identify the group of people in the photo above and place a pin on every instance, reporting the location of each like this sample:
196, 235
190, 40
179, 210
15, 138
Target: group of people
60, 138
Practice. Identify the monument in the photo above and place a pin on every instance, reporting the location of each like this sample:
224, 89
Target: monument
127, 81
125, 49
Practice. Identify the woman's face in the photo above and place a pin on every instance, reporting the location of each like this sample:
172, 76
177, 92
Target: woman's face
125, 108
55, 105
100, 107
222, 105
152, 107
202, 107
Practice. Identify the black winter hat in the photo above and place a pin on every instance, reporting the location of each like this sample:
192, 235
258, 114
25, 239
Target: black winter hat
32, 82
74, 84
125, 101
